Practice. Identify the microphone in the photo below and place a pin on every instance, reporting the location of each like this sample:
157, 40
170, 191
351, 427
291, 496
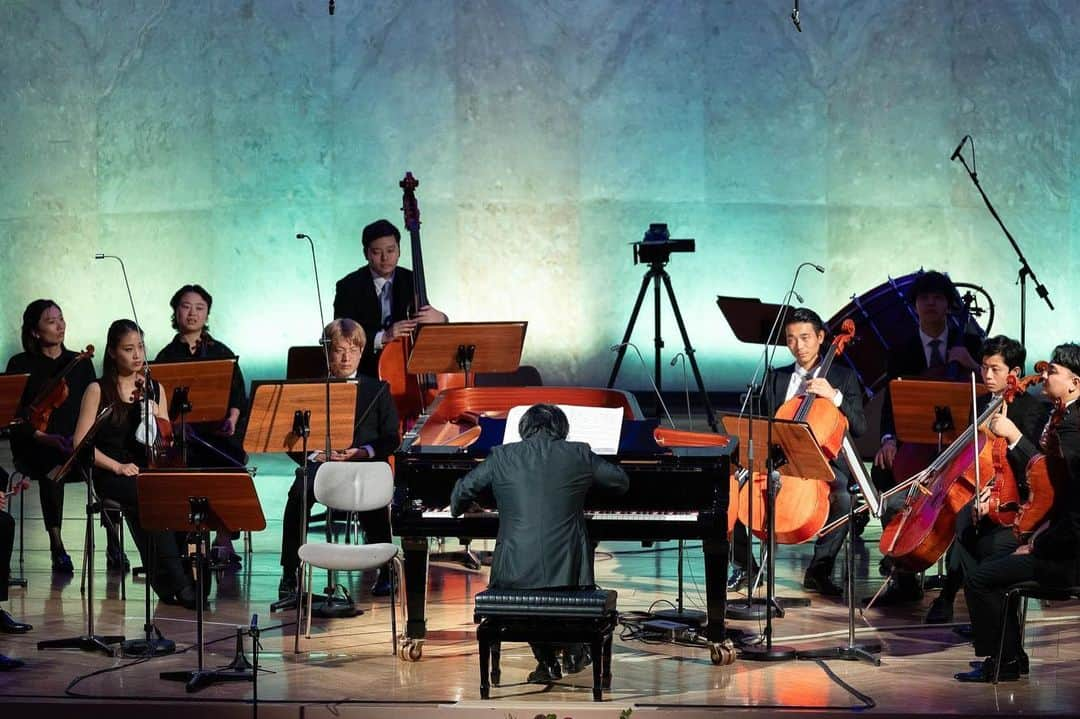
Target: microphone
956, 152
794, 16
331, 8
645, 369
302, 236
131, 300
819, 268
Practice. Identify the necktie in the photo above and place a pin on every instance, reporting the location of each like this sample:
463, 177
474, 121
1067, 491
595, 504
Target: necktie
384, 302
936, 359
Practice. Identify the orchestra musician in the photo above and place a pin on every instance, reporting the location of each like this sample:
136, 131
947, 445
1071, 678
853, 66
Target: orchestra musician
37, 452
1052, 553
379, 295
211, 444
375, 436
8, 624
539, 485
935, 350
1002, 357
120, 452
805, 336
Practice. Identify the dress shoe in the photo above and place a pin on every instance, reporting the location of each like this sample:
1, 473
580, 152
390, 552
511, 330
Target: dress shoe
820, 580
1022, 662
287, 586
886, 566
545, 674
10, 625
7, 663
575, 660
984, 673
739, 577
898, 592
186, 598
941, 611
116, 560
61, 562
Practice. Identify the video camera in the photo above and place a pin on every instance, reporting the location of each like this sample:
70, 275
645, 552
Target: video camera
657, 245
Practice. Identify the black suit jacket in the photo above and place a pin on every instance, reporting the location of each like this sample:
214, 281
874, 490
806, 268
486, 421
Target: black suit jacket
355, 298
839, 376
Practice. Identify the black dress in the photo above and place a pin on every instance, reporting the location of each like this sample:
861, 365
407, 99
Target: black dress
32, 458
232, 447
159, 551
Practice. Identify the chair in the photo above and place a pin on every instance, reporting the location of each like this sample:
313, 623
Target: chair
545, 615
112, 518
1025, 591
352, 487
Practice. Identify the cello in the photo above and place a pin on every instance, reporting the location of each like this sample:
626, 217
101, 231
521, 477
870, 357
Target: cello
410, 392
802, 503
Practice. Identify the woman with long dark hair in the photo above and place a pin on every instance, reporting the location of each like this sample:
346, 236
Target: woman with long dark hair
38, 452
120, 451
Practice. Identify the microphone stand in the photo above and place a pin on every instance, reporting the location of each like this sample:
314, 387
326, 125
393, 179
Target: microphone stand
153, 643
331, 606
1025, 269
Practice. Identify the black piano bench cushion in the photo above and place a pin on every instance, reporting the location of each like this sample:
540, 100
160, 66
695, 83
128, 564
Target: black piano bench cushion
570, 603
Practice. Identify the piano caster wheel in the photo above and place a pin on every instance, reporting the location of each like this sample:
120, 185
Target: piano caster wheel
411, 650
722, 653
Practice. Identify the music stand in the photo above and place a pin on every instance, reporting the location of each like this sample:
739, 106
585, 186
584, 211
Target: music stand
281, 417
468, 347
931, 411
89, 642
206, 384
12, 387
198, 502
750, 319
797, 452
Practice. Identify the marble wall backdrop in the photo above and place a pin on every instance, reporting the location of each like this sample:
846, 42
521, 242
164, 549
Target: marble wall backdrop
195, 138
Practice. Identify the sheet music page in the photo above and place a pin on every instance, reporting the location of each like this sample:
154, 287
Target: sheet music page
598, 427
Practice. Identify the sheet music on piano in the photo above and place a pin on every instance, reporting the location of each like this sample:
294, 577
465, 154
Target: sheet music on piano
598, 427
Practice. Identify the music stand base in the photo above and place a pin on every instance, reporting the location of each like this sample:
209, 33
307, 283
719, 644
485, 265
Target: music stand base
95, 643
689, 617
858, 652
195, 680
147, 647
775, 653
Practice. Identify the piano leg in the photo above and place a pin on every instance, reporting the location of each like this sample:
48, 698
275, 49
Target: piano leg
415, 550
716, 566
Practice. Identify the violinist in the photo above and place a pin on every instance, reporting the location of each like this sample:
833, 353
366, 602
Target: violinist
975, 541
375, 437
120, 452
8, 624
38, 452
380, 294
210, 444
1051, 555
935, 350
805, 337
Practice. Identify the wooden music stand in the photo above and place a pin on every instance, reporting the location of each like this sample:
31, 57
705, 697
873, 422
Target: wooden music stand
751, 319
200, 502
468, 347
12, 387
796, 442
275, 404
919, 406
207, 381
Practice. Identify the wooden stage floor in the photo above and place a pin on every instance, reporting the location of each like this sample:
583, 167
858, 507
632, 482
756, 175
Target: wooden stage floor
348, 670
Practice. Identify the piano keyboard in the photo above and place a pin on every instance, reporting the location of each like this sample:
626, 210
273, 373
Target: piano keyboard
444, 513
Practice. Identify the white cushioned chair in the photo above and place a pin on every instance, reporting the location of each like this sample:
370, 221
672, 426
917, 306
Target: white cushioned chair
353, 487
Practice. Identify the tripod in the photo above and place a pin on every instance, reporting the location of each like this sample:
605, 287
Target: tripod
657, 274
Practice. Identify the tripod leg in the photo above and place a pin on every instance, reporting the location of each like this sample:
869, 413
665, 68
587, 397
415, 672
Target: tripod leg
629, 328
710, 416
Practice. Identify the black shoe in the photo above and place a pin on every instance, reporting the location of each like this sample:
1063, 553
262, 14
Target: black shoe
7, 663
861, 520
186, 598
287, 586
886, 566
575, 660
941, 611
1022, 662
898, 592
545, 674
10, 625
61, 562
984, 673
737, 579
117, 561
818, 579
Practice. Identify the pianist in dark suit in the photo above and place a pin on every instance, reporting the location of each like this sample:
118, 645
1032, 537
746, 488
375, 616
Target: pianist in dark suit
805, 336
380, 295
375, 436
539, 485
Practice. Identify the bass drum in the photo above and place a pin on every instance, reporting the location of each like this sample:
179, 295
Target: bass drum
885, 319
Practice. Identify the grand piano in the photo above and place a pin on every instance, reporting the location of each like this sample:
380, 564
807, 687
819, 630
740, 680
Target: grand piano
678, 487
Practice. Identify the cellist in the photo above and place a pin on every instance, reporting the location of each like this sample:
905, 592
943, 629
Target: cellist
379, 295
1051, 554
1002, 357
805, 337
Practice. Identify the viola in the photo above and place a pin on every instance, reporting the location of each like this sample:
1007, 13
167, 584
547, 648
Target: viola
1003, 502
54, 393
802, 503
162, 449
1046, 475
923, 529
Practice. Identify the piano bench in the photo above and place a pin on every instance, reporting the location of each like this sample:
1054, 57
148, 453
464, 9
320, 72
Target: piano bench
545, 615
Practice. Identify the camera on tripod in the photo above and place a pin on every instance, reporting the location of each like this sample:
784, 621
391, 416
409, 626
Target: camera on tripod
657, 245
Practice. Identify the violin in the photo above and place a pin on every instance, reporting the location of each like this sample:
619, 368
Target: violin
923, 529
802, 503
1003, 500
54, 393
1046, 475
